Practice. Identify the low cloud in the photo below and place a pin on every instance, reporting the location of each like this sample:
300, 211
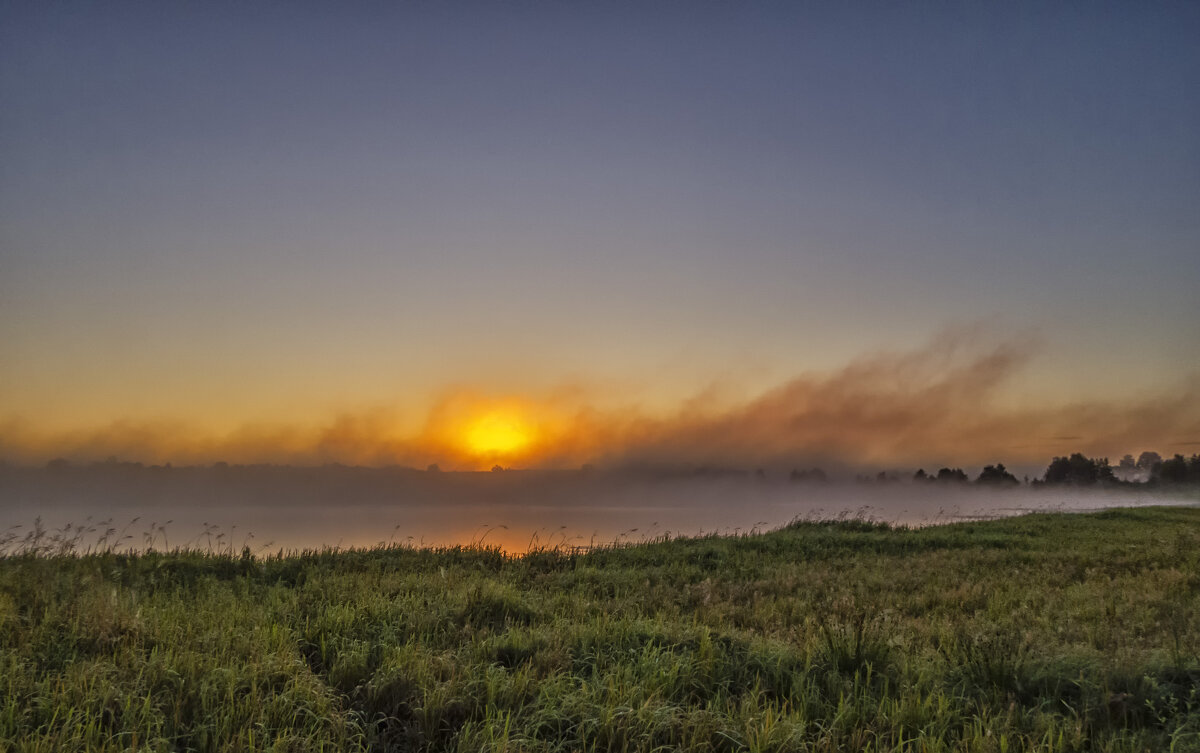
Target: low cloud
932, 405
937, 404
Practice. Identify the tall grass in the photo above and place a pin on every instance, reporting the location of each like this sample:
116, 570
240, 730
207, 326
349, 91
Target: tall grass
1045, 632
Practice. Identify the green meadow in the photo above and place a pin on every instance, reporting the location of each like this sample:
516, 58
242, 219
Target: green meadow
1047, 632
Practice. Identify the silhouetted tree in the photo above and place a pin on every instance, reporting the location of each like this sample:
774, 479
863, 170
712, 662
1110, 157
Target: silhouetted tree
1174, 470
1079, 470
1180, 470
921, 475
1147, 460
996, 475
955, 475
433, 468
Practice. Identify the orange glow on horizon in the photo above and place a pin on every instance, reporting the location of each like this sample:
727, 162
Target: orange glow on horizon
945, 403
500, 432
469, 430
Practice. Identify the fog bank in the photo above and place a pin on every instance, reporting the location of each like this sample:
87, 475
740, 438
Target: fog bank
947, 403
272, 507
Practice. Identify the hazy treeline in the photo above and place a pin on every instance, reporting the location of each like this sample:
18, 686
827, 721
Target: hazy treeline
1148, 469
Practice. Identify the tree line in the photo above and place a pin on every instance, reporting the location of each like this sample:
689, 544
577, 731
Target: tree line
1148, 469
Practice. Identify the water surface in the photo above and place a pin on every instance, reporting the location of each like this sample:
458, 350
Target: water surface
268, 508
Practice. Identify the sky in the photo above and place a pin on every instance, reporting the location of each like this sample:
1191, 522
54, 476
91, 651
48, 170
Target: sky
553, 233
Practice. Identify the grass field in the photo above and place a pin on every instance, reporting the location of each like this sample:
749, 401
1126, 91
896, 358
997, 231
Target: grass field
1044, 632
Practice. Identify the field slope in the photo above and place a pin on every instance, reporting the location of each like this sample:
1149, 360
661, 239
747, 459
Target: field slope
1044, 632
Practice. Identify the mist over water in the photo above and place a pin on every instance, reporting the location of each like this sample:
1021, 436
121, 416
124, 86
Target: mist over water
269, 508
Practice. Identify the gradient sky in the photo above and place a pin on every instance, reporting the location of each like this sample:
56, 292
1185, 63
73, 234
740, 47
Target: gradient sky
257, 213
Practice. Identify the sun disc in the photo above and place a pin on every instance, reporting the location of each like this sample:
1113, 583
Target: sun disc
497, 434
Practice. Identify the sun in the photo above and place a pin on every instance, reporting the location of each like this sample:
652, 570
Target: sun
498, 433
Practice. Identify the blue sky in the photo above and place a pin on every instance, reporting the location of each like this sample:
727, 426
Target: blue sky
226, 213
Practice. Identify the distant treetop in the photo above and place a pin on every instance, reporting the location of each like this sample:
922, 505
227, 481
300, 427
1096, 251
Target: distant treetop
996, 475
1079, 470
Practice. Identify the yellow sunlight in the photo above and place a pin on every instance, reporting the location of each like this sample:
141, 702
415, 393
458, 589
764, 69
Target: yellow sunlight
498, 433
